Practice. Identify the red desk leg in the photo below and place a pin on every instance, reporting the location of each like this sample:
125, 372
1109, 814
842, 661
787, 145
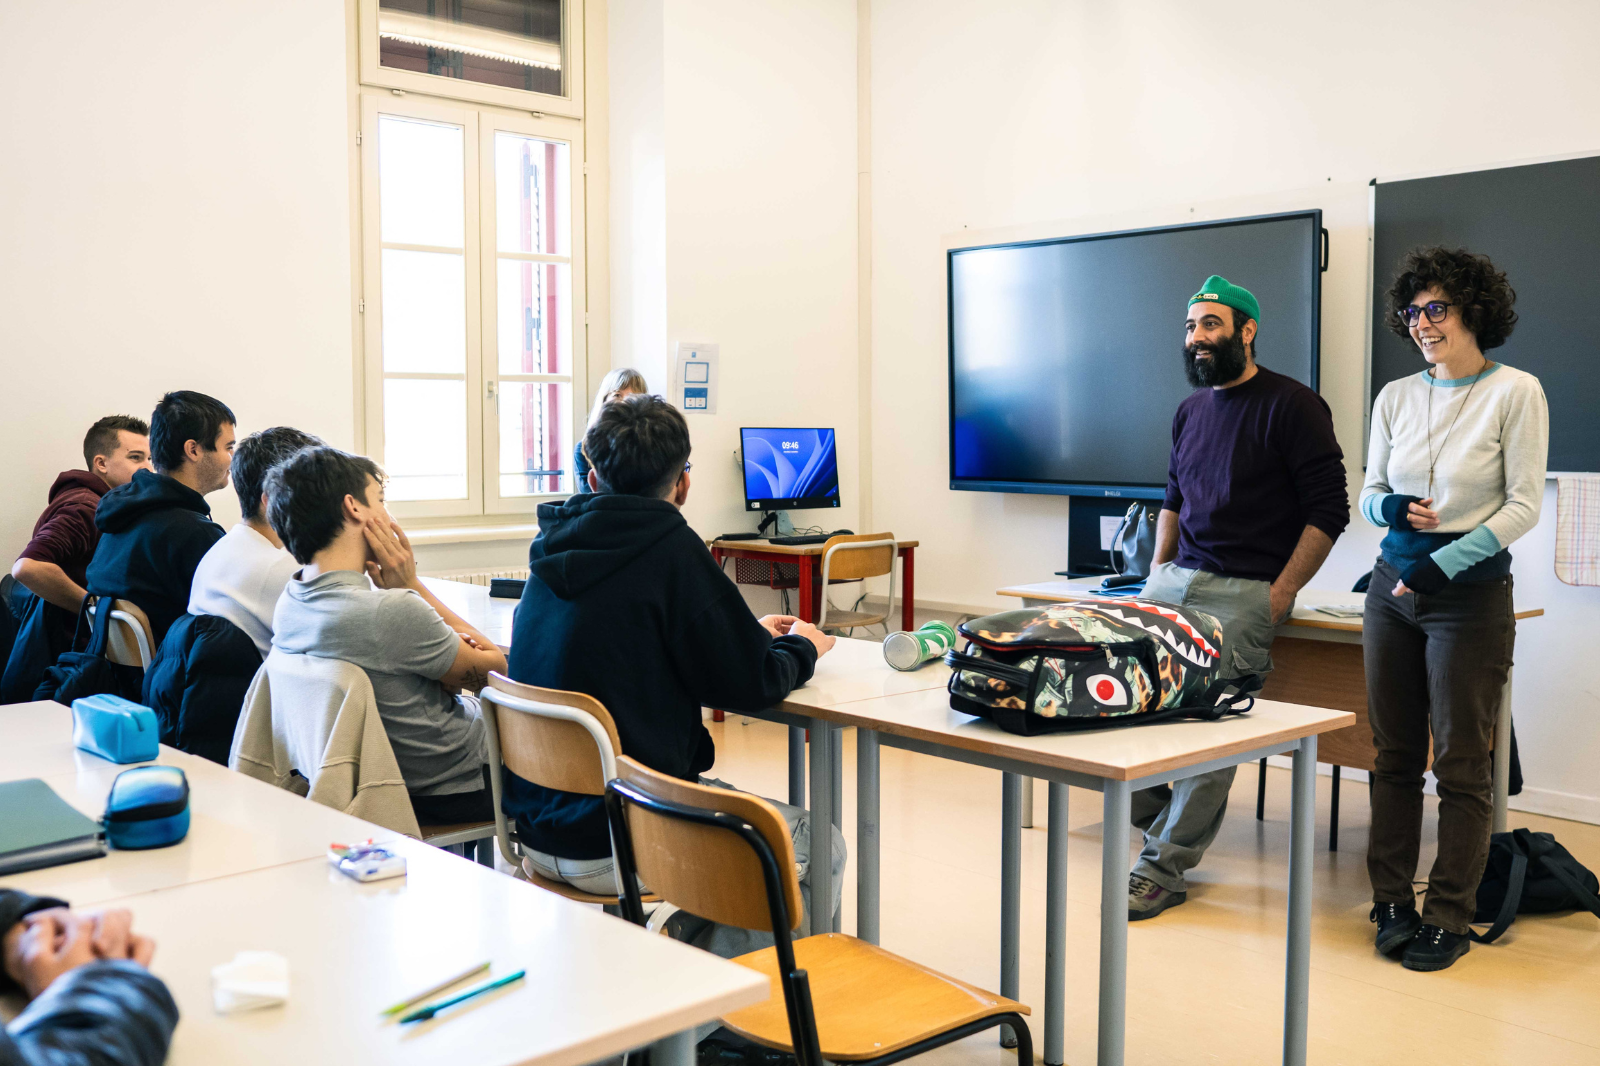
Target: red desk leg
908, 589
808, 587
716, 553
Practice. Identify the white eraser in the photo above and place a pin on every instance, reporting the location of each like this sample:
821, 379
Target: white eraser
254, 979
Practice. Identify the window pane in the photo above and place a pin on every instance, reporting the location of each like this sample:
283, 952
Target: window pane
530, 192
421, 182
425, 439
512, 43
534, 309
535, 438
424, 313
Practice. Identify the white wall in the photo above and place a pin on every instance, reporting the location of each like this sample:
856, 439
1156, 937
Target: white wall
747, 111
1050, 117
175, 212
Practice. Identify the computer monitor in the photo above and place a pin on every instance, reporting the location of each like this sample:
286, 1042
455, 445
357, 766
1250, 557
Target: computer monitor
789, 469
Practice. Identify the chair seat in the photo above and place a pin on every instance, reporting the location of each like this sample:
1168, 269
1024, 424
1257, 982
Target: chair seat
852, 619
869, 1002
456, 832
577, 895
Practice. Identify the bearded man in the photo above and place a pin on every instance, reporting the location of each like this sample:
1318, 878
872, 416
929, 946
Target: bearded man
1256, 496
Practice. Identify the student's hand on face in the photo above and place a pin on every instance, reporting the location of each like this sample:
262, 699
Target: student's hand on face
393, 565
820, 640
45, 945
777, 624
1421, 517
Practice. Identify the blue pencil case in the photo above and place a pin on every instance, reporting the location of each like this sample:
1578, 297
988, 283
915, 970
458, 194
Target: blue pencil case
148, 808
114, 728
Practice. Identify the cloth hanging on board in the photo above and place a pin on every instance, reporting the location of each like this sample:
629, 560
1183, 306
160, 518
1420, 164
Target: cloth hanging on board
1578, 529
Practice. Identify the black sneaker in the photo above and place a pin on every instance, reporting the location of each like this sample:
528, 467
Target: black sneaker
1397, 924
1434, 949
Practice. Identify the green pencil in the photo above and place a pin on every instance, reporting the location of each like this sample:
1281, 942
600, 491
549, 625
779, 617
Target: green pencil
433, 990
422, 1014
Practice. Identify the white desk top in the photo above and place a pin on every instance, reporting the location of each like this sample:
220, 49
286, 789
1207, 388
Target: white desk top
596, 985
854, 670
1305, 614
252, 875
489, 615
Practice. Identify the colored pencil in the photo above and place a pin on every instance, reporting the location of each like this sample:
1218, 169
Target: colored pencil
422, 1014
434, 990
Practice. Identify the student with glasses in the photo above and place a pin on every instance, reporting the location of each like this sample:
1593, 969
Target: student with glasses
1456, 473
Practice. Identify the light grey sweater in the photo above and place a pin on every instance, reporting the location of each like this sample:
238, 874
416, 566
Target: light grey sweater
1488, 479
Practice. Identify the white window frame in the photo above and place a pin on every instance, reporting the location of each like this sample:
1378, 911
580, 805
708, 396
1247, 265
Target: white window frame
373, 72
480, 259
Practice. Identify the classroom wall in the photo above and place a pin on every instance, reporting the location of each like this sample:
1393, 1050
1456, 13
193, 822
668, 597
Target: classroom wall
1042, 117
174, 205
734, 214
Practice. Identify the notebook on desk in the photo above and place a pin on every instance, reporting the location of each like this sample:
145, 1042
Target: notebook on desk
41, 829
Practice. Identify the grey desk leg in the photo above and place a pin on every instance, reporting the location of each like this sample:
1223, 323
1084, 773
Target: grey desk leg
867, 835
1302, 832
674, 1050
1113, 923
1010, 893
821, 869
836, 760
1502, 758
797, 766
1027, 803
1055, 930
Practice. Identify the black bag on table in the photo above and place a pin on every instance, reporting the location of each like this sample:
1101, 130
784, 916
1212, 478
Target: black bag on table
1529, 873
1093, 663
89, 672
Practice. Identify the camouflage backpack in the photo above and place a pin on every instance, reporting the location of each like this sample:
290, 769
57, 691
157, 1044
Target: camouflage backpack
1092, 663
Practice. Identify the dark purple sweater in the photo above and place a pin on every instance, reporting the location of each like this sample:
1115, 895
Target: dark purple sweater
1252, 466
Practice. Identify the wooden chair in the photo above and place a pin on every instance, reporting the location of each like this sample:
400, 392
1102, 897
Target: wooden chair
856, 557
726, 856
130, 641
560, 740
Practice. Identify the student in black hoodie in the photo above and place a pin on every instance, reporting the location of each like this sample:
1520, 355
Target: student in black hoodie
154, 529
625, 603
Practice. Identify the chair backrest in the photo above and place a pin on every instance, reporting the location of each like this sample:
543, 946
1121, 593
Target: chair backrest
673, 840
856, 557
560, 740
130, 641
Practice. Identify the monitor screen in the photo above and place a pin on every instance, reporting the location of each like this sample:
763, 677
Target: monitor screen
789, 469
1065, 364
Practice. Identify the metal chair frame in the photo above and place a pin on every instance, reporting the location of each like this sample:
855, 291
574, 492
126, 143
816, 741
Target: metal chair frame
602, 741
862, 545
140, 638
796, 982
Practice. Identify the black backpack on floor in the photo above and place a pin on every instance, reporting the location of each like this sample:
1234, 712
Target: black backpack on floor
1529, 873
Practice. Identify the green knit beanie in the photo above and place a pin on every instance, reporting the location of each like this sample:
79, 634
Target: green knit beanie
1219, 290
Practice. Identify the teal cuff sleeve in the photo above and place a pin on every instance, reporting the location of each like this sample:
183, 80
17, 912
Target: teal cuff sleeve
1464, 551
1372, 509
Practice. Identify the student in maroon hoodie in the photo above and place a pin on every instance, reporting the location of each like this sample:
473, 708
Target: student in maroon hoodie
53, 564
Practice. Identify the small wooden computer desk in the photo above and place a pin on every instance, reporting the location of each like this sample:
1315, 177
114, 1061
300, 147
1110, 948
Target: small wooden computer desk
1318, 660
808, 558
853, 687
252, 874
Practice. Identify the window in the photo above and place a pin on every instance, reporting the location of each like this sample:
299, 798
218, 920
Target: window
512, 53
471, 281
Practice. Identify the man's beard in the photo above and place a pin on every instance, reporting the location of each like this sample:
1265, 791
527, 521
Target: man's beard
1228, 361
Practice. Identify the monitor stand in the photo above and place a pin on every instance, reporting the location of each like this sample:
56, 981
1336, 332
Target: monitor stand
779, 520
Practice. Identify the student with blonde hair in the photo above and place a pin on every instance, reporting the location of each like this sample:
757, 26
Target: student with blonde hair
620, 383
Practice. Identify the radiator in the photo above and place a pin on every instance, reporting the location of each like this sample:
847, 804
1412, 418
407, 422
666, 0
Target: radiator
478, 577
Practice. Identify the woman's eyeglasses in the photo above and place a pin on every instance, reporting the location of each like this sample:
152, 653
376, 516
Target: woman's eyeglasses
1436, 310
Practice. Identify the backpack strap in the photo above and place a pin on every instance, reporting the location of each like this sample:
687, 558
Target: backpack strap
100, 635
1580, 891
1513, 899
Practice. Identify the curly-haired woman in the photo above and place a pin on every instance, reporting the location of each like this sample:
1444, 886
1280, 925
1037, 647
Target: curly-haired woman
1456, 472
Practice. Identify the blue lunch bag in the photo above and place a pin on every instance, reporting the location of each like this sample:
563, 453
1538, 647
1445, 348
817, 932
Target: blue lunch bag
148, 808
114, 728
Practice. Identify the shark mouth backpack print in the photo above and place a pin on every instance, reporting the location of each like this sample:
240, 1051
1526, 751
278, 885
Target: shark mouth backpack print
1092, 663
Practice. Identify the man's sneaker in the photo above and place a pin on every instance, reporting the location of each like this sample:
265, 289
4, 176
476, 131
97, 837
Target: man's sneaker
1146, 899
1434, 949
1397, 924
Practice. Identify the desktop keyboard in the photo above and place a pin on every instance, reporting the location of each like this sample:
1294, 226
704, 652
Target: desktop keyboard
807, 538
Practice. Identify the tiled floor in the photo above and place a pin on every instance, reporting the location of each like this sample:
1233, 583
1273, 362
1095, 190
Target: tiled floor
1205, 980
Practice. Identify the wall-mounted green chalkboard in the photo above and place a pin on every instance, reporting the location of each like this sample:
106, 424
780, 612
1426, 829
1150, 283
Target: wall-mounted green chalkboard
1540, 223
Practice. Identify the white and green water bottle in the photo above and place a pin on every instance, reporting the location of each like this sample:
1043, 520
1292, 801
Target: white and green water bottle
907, 651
